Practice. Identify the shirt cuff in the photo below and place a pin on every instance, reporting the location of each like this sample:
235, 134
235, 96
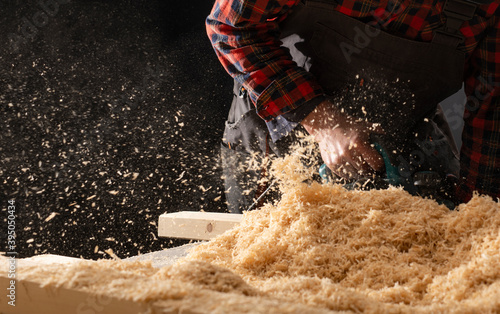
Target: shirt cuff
282, 125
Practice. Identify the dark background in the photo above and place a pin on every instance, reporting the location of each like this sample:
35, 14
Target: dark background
111, 113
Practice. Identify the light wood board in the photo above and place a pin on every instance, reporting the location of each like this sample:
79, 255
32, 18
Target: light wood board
31, 298
196, 225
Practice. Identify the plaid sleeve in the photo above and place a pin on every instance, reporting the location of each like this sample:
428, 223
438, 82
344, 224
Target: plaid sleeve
245, 36
480, 153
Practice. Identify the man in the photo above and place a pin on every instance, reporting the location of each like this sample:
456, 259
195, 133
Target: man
365, 79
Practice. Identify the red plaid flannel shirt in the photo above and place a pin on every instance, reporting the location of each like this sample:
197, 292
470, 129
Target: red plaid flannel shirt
245, 35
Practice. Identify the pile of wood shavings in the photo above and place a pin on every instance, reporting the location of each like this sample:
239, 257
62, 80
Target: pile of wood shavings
372, 251
322, 249
367, 251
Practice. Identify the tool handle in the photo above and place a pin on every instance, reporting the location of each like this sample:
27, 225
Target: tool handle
391, 172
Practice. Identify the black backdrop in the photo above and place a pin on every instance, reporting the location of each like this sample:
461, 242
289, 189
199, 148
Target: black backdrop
111, 114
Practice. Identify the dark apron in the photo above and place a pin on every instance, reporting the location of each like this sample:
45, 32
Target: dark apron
372, 75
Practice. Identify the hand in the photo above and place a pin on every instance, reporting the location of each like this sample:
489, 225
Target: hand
344, 142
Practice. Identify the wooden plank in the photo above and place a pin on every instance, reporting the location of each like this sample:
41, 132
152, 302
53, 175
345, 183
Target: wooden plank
196, 225
45, 259
30, 297
164, 257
